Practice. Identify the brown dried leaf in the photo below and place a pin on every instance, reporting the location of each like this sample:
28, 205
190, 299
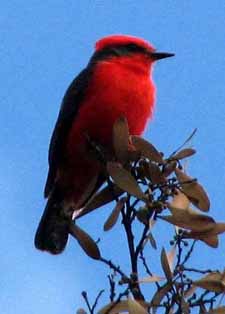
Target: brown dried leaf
135, 308
143, 215
154, 174
186, 141
219, 310
124, 180
133, 155
152, 223
165, 265
147, 149
113, 217
158, 296
184, 153
121, 139
189, 292
169, 168
211, 282
85, 241
101, 198
151, 279
171, 256
185, 222
125, 306
209, 237
81, 311
218, 228
152, 240
212, 241
193, 190
189, 219
180, 200
116, 308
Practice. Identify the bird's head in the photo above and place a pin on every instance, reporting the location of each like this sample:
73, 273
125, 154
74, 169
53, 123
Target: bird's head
128, 48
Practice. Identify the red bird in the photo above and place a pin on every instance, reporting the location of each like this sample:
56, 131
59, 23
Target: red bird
116, 82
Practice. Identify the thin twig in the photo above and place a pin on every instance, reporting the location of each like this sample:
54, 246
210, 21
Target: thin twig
114, 267
179, 252
122, 294
147, 268
96, 300
197, 270
185, 142
140, 244
112, 287
85, 296
127, 222
186, 258
130, 239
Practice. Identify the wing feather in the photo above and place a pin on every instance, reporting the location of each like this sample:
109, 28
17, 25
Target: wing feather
71, 103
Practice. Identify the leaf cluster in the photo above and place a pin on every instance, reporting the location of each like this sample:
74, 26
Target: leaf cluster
148, 187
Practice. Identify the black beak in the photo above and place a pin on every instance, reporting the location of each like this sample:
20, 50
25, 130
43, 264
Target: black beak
160, 55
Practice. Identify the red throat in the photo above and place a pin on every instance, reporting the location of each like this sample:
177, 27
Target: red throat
117, 88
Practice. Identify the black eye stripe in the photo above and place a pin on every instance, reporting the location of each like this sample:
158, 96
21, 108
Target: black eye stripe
119, 50
135, 48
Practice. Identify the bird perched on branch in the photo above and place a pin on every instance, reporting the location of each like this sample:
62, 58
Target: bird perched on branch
116, 82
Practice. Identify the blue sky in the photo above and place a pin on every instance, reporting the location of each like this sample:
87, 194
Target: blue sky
43, 45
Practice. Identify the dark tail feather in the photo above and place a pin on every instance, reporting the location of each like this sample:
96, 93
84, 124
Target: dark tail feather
53, 230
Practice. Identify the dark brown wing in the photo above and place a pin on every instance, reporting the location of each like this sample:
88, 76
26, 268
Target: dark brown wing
68, 111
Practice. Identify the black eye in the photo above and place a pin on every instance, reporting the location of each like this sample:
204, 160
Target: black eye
133, 48
118, 51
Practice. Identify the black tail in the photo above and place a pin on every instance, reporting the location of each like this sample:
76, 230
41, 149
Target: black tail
53, 230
